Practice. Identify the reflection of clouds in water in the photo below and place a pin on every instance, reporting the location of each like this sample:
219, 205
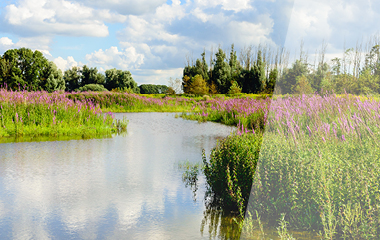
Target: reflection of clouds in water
75, 185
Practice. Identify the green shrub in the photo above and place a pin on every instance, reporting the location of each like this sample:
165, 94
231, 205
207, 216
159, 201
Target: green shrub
231, 168
92, 87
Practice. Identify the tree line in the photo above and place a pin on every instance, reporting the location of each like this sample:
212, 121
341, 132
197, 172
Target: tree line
26, 69
264, 70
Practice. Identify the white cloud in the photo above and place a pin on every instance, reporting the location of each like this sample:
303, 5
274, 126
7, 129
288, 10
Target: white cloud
5, 44
198, 13
336, 22
40, 43
65, 64
125, 7
155, 76
35, 17
126, 59
229, 5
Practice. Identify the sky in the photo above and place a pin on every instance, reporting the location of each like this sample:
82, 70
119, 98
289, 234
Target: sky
153, 38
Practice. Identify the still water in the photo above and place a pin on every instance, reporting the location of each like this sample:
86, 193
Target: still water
125, 187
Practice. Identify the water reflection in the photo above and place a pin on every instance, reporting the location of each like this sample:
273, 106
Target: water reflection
117, 188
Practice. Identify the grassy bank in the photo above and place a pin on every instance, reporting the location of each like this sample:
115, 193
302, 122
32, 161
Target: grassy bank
42, 114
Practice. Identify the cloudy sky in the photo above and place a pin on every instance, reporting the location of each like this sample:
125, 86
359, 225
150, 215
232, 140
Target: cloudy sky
151, 38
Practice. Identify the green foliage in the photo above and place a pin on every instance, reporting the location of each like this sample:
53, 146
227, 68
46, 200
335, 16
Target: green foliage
234, 89
120, 79
92, 87
153, 89
289, 79
72, 78
52, 79
221, 73
198, 86
23, 68
303, 86
91, 76
230, 170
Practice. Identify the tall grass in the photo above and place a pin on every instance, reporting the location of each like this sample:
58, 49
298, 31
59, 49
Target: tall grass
129, 102
318, 168
34, 114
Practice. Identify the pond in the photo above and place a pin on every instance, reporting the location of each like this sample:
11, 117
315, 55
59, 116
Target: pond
125, 187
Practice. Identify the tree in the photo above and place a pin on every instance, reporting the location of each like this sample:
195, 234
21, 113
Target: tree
120, 79
92, 87
52, 79
289, 79
91, 76
272, 79
72, 78
234, 89
186, 82
259, 79
303, 86
175, 85
198, 85
23, 68
153, 89
221, 72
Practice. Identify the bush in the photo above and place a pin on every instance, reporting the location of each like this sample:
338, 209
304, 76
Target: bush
231, 169
92, 87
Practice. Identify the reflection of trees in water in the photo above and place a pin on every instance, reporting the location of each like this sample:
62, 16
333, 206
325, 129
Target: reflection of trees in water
220, 224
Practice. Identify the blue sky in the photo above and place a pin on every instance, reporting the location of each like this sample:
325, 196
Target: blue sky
151, 38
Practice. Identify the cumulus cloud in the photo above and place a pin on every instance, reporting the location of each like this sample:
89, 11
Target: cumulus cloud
125, 7
229, 5
67, 63
156, 76
5, 44
40, 43
337, 23
36, 17
125, 59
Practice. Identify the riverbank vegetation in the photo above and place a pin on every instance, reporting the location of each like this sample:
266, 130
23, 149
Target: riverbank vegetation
316, 164
36, 114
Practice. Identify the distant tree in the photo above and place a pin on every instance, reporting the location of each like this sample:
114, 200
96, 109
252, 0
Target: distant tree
73, 78
186, 82
51, 78
272, 79
120, 79
23, 68
91, 76
234, 65
92, 87
315, 78
221, 72
259, 79
367, 83
234, 89
198, 85
303, 86
289, 79
175, 85
153, 89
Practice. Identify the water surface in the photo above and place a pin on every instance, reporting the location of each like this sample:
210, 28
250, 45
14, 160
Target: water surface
125, 187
